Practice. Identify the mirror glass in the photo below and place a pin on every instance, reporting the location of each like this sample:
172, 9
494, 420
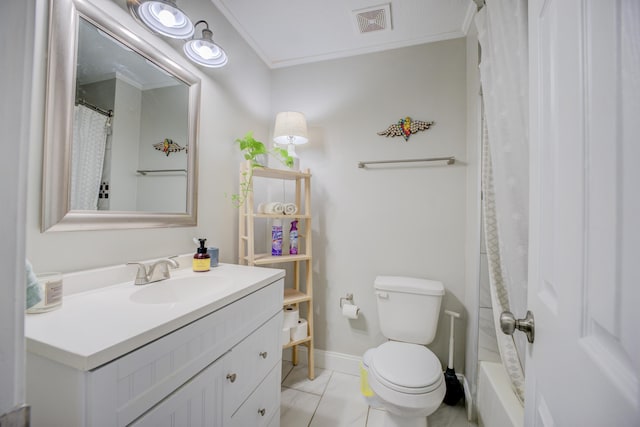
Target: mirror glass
129, 149
120, 139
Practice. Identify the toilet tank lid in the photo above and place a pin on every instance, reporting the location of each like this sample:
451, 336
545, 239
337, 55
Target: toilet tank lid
411, 285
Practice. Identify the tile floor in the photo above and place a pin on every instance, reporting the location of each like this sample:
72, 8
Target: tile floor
333, 399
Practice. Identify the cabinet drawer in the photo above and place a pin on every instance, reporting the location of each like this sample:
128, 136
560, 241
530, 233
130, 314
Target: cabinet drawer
133, 384
259, 409
251, 360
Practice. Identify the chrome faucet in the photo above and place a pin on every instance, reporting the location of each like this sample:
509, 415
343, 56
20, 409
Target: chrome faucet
156, 271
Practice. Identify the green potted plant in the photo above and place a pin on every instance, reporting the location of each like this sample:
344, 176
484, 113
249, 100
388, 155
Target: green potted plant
254, 151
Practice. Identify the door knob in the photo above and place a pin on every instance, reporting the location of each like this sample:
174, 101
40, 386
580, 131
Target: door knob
231, 377
508, 323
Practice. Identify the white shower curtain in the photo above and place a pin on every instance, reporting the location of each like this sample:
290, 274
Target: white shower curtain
502, 32
87, 157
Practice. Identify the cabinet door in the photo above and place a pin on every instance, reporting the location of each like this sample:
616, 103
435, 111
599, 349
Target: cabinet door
197, 403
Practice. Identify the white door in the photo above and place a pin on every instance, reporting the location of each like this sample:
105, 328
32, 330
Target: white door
584, 275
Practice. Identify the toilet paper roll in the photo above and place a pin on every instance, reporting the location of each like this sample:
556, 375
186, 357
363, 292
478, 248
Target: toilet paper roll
286, 336
350, 311
291, 316
299, 332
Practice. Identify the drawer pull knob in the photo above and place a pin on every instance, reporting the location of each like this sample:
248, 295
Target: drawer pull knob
231, 377
263, 354
262, 411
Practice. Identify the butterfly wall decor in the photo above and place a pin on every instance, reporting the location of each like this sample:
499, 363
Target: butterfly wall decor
168, 146
405, 127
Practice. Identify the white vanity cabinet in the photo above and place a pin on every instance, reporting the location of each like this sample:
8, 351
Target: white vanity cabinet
218, 396
222, 369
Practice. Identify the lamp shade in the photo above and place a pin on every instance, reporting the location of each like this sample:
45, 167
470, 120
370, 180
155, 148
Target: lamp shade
204, 51
162, 17
290, 128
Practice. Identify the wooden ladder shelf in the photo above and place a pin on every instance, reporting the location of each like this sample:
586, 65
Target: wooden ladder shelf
302, 291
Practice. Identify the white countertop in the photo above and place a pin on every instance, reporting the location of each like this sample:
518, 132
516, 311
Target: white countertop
99, 325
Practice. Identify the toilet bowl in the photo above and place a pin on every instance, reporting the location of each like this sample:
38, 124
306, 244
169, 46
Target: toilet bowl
402, 375
407, 382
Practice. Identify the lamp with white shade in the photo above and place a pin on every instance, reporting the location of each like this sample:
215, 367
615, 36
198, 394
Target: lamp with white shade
291, 130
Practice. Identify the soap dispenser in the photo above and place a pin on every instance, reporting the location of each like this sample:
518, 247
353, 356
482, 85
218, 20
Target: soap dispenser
201, 259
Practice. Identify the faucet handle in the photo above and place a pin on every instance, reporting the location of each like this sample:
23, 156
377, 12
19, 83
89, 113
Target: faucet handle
159, 270
163, 270
141, 275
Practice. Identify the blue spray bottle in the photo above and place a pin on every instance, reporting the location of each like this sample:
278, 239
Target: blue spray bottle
293, 238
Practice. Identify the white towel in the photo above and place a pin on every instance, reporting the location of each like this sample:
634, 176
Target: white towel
290, 208
271, 208
278, 208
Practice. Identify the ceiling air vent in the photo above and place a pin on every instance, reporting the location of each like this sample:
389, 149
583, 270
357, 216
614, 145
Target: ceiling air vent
371, 19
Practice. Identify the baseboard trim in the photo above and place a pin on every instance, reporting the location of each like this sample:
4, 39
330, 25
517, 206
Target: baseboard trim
339, 362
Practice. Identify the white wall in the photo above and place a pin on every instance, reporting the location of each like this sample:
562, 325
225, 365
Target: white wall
126, 132
163, 116
16, 23
235, 99
403, 220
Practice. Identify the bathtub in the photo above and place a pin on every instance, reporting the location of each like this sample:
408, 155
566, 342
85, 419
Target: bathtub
497, 405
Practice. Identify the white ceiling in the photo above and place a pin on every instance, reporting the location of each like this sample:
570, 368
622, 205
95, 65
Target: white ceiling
290, 32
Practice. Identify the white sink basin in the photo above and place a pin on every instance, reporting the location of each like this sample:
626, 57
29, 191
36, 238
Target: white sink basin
180, 289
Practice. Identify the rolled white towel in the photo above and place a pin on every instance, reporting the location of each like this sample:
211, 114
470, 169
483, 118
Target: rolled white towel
290, 208
272, 208
261, 208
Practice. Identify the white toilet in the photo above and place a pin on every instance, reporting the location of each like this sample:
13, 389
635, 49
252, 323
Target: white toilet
404, 375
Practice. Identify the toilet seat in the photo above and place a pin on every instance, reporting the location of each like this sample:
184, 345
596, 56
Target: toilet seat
406, 368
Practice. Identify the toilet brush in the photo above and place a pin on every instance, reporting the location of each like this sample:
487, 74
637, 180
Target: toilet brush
454, 389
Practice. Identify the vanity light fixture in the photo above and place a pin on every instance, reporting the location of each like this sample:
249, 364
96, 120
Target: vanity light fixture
291, 130
162, 17
204, 51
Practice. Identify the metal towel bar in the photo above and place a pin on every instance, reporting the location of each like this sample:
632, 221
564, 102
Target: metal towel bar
450, 160
146, 171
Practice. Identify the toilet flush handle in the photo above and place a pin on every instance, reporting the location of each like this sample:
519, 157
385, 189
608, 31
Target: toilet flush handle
382, 294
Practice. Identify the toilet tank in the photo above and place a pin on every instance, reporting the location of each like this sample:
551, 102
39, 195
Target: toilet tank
408, 308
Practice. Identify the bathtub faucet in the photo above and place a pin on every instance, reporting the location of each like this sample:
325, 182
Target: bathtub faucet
156, 271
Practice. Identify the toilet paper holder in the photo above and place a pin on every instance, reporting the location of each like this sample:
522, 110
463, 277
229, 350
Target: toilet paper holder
348, 298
